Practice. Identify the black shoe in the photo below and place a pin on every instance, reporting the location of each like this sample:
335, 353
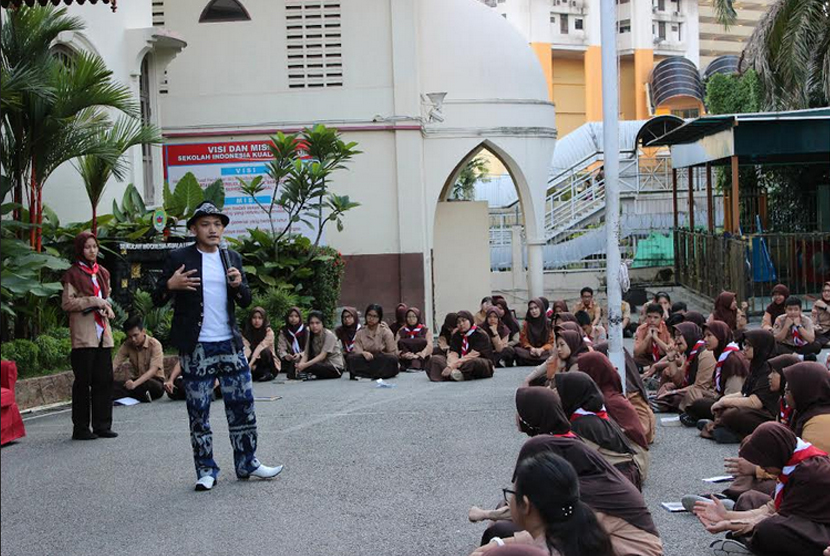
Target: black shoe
810, 357
725, 436
84, 434
352, 376
687, 420
106, 434
701, 424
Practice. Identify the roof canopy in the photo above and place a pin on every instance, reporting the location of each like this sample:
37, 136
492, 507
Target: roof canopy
796, 137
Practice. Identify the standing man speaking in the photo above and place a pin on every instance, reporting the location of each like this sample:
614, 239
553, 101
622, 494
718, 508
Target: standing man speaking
205, 283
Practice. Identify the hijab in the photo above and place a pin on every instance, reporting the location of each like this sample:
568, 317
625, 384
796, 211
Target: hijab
694, 317
572, 326
578, 391
809, 384
540, 411
692, 334
538, 329
256, 335
602, 372
633, 380
601, 486
763, 349
345, 333
559, 307
564, 317
773, 445
400, 318
450, 324
503, 330
299, 330
777, 366
723, 311
735, 364
79, 275
507, 315
577, 345
418, 333
777, 309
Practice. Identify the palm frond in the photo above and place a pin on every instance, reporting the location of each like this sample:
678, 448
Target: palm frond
725, 12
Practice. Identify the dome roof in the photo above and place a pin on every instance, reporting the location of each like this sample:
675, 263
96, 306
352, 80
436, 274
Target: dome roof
471, 52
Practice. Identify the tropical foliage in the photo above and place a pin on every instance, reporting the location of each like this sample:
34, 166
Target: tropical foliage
471, 172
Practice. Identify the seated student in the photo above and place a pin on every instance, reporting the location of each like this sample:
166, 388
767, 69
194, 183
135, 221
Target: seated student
726, 310
695, 317
663, 300
679, 308
821, 318
346, 332
808, 395
503, 354
146, 358
569, 346
548, 513
536, 339
594, 333
584, 406
442, 344
509, 319
794, 332
731, 369
618, 505
737, 415
291, 343
605, 376
691, 370
652, 338
588, 304
635, 391
628, 332
400, 318
414, 342
258, 344
559, 306
481, 316
547, 310
780, 293
796, 521
375, 354
322, 357
470, 354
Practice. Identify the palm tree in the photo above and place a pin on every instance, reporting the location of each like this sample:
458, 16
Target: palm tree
473, 171
96, 170
60, 119
790, 51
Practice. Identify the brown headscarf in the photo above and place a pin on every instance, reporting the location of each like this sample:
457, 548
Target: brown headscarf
559, 306
507, 315
572, 326
564, 317
81, 280
735, 364
633, 380
775, 309
577, 345
400, 318
256, 335
515, 549
503, 330
540, 411
538, 329
723, 311
694, 317
599, 368
302, 337
692, 334
601, 485
345, 333
809, 384
422, 333
450, 324
772, 445
763, 348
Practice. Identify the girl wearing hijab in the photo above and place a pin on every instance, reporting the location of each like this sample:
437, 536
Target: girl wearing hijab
449, 327
695, 317
584, 406
692, 370
375, 354
503, 354
414, 342
400, 318
821, 317
780, 293
347, 331
258, 344
536, 339
509, 320
602, 372
292, 340
618, 505
795, 521
470, 354
569, 346
737, 415
86, 289
322, 357
730, 371
808, 385
726, 310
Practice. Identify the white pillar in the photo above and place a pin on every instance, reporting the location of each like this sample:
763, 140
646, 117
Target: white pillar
517, 252
535, 268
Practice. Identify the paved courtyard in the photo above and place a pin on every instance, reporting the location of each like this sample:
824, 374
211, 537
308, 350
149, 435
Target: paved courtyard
369, 470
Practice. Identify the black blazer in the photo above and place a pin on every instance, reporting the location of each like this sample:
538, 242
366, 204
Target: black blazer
188, 307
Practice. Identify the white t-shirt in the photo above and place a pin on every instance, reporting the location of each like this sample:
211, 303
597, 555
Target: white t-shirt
215, 325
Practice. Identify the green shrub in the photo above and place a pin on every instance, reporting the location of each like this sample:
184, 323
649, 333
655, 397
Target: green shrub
118, 338
276, 301
329, 267
25, 353
54, 353
60, 333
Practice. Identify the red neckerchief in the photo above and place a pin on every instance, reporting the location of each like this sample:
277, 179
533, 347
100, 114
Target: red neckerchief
785, 412
602, 414
92, 271
412, 333
803, 451
692, 356
655, 351
568, 434
797, 339
350, 345
721, 360
465, 340
588, 340
549, 313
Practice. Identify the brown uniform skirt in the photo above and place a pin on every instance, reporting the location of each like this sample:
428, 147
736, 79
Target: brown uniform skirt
412, 345
525, 359
472, 370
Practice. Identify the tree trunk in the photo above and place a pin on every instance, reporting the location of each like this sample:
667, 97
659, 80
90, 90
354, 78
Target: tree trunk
39, 229
95, 220
32, 206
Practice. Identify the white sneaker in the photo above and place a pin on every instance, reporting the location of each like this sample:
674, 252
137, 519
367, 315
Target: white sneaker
205, 483
264, 472
729, 547
457, 375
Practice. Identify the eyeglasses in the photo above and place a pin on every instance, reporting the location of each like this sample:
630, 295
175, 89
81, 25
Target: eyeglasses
505, 492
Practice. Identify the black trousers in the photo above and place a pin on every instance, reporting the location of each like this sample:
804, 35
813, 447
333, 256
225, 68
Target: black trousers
813, 348
383, 365
701, 409
265, 367
154, 386
324, 370
178, 393
92, 389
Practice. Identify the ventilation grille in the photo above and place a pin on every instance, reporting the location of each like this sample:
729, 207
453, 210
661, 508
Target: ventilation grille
315, 51
158, 13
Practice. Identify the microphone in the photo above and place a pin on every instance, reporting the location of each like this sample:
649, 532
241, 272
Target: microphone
226, 258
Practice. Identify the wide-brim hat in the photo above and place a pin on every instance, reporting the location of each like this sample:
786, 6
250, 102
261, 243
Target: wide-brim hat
208, 209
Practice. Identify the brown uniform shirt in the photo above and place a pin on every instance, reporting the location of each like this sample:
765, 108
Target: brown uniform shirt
148, 356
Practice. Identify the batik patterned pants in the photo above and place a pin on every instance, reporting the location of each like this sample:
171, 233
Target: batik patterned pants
220, 360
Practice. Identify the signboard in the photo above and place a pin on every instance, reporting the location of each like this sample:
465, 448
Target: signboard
229, 160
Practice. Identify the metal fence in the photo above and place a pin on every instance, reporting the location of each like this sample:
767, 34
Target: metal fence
751, 265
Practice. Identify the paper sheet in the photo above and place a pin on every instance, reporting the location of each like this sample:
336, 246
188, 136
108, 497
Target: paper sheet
719, 479
126, 401
673, 507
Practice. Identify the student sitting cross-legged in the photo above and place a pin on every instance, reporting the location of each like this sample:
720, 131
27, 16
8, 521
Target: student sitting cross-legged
375, 354
322, 357
469, 355
146, 358
414, 342
794, 332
